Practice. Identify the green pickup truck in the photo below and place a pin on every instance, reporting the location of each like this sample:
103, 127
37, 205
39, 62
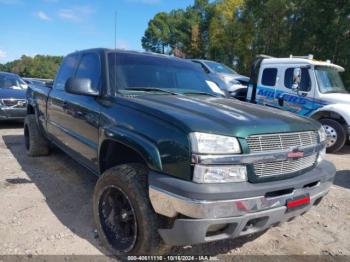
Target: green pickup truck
178, 164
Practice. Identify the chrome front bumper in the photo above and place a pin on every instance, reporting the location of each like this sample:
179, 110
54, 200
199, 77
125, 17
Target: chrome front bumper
171, 205
204, 213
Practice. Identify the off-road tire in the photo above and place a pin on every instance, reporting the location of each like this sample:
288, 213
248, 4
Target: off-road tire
36, 144
132, 180
341, 134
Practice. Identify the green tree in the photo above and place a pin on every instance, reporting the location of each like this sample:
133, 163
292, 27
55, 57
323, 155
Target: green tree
157, 35
39, 66
237, 30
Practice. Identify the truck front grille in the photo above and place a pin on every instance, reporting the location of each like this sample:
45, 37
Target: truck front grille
279, 142
280, 168
282, 142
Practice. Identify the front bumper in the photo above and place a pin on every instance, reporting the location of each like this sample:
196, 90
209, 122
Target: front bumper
9, 113
235, 209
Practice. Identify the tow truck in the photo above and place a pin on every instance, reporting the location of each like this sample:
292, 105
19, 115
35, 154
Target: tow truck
307, 87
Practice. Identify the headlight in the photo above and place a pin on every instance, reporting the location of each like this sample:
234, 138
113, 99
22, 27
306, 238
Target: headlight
322, 134
203, 143
234, 82
219, 174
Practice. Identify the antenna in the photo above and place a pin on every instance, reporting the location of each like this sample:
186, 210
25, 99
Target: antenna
115, 30
115, 50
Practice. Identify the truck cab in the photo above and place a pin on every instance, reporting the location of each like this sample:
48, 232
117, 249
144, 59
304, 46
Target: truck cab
306, 87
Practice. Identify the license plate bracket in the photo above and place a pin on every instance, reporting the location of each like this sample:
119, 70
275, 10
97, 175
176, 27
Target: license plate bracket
298, 202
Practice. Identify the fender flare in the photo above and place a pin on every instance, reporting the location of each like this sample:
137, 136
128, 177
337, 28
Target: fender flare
145, 148
342, 110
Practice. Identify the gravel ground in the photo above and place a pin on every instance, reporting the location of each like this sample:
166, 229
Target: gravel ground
46, 210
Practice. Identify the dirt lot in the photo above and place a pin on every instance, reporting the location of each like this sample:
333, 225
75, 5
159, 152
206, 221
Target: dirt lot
46, 209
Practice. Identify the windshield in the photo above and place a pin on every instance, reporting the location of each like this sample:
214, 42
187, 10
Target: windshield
220, 68
139, 72
12, 82
329, 80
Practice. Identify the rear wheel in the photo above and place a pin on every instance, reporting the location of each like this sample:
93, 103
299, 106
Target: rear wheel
36, 144
336, 134
124, 216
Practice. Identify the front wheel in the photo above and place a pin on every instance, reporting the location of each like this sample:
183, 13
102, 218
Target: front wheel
336, 134
125, 220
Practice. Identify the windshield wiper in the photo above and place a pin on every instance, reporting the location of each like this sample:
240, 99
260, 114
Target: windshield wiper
200, 93
151, 89
336, 92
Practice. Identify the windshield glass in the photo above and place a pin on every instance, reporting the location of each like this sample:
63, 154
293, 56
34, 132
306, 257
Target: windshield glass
329, 80
220, 68
144, 72
11, 82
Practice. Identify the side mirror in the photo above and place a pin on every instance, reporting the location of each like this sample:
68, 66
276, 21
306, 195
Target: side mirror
80, 86
296, 79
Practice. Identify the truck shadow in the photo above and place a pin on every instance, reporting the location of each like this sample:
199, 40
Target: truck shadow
342, 179
11, 124
68, 188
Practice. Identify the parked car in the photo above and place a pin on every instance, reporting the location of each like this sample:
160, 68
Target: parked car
38, 81
12, 97
226, 78
307, 87
177, 164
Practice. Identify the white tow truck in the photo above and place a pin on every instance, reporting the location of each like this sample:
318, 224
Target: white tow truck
307, 87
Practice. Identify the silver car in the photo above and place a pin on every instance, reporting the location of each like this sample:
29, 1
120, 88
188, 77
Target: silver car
226, 78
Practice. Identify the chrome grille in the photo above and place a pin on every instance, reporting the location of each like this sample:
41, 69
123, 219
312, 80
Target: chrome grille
283, 141
284, 167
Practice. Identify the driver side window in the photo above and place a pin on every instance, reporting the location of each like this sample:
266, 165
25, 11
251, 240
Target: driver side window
66, 71
89, 67
305, 84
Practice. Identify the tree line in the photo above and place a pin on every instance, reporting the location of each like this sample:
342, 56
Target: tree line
39, 66
235, 31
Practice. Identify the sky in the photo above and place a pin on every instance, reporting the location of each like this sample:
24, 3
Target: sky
58, 27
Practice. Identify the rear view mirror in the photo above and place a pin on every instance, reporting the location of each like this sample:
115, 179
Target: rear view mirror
80, 86
296, 79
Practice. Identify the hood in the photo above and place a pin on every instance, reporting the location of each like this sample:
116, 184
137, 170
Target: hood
222, 116
337, 98
234, 76
7, 93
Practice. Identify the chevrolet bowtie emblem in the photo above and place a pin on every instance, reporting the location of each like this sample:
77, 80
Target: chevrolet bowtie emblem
296, 153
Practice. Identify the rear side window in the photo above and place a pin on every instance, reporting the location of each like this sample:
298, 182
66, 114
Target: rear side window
269, 77
305, 84
90, 67
66, 71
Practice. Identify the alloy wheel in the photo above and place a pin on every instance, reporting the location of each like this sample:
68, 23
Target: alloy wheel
118, 219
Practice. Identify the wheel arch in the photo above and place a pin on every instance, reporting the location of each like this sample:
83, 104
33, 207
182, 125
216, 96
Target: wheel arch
122, 146
337, 111
30, 109
321, 114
